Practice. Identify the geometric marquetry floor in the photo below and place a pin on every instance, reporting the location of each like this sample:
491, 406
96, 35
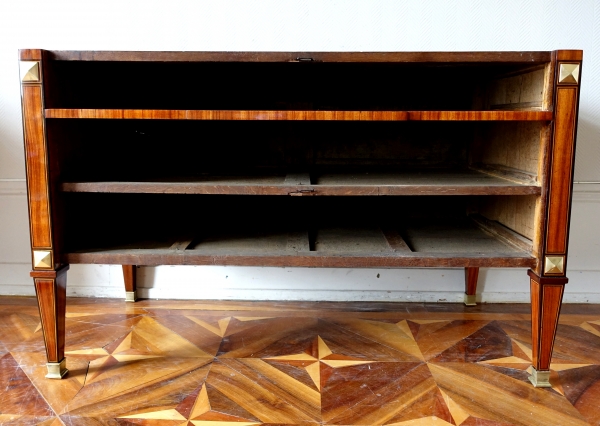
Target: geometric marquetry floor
259, 363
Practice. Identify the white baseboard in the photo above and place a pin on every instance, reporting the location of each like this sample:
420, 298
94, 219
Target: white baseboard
299, 284
296, 295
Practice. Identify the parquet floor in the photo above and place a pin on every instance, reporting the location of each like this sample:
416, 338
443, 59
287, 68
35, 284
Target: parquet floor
248, 363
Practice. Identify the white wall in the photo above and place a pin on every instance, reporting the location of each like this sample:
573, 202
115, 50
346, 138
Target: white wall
301, 26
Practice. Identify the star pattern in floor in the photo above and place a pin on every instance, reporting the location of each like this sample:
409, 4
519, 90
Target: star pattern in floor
249, 363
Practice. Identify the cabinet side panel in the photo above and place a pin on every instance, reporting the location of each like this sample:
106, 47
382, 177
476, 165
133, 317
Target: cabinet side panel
36, 157
515, 212
522, 91
513, 145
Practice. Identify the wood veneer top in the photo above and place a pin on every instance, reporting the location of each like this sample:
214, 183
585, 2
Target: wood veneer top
416, 57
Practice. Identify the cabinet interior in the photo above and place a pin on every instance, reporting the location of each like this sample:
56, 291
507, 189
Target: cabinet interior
397, 189
128, 158
296, 86
387, 231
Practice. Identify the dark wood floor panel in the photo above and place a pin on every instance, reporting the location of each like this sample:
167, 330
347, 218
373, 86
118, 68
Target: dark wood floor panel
185, 363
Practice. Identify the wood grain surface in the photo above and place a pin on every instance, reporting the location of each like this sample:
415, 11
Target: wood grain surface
147, 114
420, 182
418, 57
471, 276
37, 167
51, 296
310, 259
217, 363
546, 301
561, 182
130, 277
569, 55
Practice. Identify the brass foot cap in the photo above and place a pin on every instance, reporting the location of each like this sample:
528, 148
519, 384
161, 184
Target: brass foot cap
130, 296
540, 379
470, 299
57, 370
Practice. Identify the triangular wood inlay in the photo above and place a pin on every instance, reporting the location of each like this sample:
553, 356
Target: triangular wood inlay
519, 350
264, 392
397, 336
487, 343
471, 385
189, 402
591, 327
435, 338
579, 381
18, 396
377, 393
428, 402
305, 372
121, 382
219, 403
423, 421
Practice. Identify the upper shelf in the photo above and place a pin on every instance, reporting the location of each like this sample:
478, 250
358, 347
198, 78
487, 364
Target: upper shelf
294, 115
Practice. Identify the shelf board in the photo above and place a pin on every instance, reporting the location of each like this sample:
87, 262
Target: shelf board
156, 257
293, 115
423, 182
458, 243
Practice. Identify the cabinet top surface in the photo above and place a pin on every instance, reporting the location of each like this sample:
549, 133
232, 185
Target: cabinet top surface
406, 57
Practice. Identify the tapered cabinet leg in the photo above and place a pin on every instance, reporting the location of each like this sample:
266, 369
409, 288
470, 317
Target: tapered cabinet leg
129, 274
546, 300
50, 288
471, 276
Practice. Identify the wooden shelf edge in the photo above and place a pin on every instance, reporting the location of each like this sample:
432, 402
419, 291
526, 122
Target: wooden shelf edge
292, 115
401, 259
296, 190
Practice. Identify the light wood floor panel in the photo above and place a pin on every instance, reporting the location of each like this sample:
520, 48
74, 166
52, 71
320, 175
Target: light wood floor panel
276, 363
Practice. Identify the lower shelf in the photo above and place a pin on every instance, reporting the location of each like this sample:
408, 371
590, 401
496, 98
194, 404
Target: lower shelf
456, 243
158, 257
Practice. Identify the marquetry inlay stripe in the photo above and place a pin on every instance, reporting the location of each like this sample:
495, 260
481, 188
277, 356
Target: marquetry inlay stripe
157, 415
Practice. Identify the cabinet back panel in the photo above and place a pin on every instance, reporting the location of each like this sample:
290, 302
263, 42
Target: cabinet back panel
520, 90
157, 221
272, 86
516, 213
93, 150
